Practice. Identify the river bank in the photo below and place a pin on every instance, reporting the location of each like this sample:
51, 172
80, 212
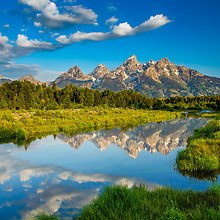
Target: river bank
18, 126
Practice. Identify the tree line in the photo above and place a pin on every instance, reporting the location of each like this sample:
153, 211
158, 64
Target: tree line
26, 95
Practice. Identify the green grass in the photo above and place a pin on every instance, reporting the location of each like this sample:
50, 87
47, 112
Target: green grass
45, 216
22, 126
120, 202
202, 155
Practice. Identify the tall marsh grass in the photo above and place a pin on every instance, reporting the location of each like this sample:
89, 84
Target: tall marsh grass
202, 155
120, 202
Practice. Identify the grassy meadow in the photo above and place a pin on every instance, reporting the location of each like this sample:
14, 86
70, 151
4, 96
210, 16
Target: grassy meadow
20, 125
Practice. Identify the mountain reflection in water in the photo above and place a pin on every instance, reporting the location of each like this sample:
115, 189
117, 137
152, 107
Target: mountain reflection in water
53, 177
162, 137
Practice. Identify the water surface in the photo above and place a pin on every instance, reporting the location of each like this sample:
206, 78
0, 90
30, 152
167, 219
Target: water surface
62, 174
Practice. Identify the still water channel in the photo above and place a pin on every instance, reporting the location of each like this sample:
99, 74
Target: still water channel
61, 175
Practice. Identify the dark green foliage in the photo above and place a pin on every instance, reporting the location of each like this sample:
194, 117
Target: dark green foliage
6, 133
25, 95
46, 216
120, 202
192, 103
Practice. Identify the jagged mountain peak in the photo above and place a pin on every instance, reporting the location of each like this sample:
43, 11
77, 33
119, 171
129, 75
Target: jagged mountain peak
100, 71
129, 67
131, 61
74, 70
74, 76
101, 66
133, 57
163, 61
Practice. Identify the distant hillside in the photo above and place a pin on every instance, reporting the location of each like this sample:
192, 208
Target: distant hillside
31, 79
3, 80
28, 78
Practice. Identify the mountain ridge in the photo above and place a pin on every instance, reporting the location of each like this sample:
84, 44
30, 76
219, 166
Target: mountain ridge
157, 79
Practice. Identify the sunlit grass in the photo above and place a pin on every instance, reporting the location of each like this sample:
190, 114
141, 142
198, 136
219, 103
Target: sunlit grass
120, 202
202, 154
24, 125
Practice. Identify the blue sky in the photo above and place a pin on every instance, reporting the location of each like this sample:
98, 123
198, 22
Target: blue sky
47, 37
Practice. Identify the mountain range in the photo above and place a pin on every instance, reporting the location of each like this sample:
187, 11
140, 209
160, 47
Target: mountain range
155, 79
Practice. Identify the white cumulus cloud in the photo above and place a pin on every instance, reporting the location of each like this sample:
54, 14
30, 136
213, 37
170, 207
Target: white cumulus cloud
36, 4
5, 48
153, 23
22, 41
3, 40
51, 17
121, 30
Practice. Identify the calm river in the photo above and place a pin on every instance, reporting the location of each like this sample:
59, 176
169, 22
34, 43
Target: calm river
62, 174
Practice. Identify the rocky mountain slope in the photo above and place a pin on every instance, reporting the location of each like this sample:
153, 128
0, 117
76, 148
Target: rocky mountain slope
153, 137
75, 76
156, 79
